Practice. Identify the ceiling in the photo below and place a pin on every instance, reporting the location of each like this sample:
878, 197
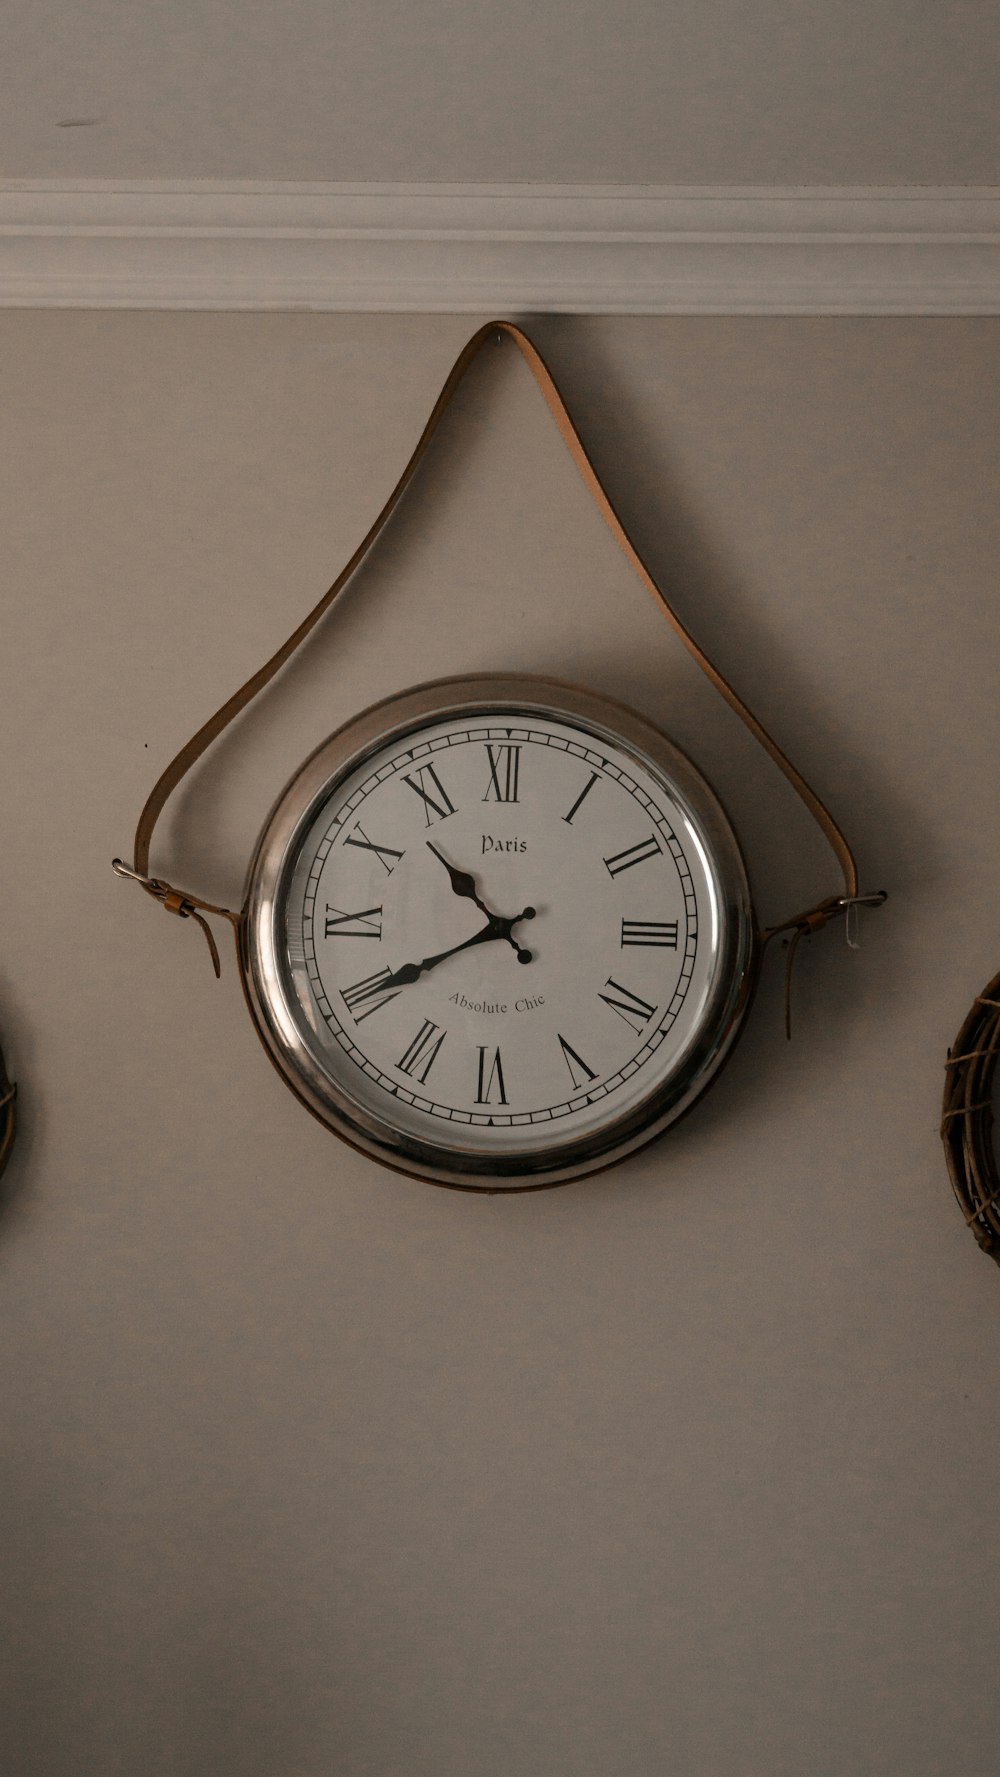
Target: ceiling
598, 91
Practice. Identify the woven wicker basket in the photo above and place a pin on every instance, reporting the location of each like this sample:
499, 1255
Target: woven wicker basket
967, 1118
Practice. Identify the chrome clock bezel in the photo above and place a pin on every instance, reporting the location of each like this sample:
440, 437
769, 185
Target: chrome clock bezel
277, 1014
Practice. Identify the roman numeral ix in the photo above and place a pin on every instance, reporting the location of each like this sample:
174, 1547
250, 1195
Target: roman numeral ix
636, 854
369, 993
484, 1092
437, 802
382, 852
505, 763
423, 1051
367, 924
635, 1011
650, 931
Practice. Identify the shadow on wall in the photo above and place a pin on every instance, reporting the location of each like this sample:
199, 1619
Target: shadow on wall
130, 1649
20, 1052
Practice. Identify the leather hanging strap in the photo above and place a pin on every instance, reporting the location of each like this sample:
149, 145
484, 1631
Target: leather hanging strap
188, 905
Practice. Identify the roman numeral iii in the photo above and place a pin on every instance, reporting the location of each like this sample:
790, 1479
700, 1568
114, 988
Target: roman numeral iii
650, 931
369, 993
367, 924
382, 852
635, 1011
437, 802
636, 854
505, 763
423, 1051
484, 1091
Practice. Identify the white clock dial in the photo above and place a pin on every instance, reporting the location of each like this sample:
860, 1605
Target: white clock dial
501, 935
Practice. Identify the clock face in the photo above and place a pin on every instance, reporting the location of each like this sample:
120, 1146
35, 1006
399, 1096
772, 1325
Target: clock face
499, 936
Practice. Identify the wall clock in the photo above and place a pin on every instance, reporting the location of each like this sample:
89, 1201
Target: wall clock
497, 931
498, 928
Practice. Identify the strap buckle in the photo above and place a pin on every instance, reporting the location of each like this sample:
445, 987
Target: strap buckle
176, 901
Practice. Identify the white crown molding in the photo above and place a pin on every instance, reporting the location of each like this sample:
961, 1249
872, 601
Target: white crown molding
512, 249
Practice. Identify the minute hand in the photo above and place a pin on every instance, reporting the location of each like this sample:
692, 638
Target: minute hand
495, 928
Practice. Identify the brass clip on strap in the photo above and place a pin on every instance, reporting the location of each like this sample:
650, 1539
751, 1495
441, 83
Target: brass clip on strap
184, 905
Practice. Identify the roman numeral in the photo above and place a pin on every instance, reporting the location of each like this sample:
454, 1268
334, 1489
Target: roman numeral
437, 802
574, 1061
650, 931
423, 1051
629, 1006
353, 925
588, 786
505, 764
485, 1089
382, 852
370, 990
636, 854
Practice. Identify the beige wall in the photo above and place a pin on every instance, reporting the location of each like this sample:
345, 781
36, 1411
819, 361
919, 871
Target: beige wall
695, 92
308, 1469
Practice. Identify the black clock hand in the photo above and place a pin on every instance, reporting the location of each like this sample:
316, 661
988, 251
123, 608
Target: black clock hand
462, 883
465, 885
496, 928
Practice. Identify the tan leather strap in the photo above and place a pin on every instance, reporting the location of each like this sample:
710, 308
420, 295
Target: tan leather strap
187, 905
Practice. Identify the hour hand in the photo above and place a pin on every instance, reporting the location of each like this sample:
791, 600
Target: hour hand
461, 881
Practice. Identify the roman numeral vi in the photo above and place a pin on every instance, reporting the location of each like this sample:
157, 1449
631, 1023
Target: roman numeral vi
484, 1092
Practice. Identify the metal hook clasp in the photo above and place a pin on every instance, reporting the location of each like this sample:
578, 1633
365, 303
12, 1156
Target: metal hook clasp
120, 868
850, 904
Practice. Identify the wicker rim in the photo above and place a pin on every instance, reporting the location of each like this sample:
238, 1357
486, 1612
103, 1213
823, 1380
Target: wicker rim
967, 1118
8, 1114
